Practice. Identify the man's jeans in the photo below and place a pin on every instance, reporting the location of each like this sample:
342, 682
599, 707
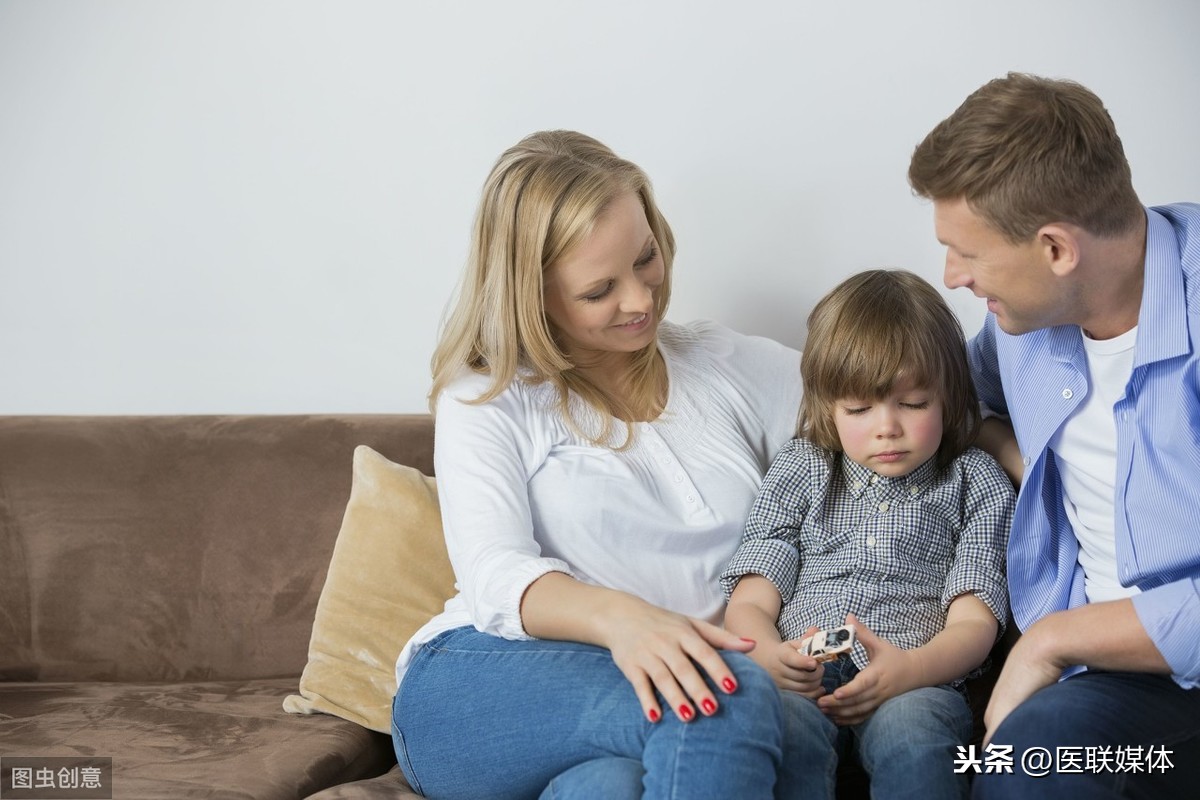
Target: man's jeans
1105, 735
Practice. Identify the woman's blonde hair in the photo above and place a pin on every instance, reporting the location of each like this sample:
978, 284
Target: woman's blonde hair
871, 331
541, 200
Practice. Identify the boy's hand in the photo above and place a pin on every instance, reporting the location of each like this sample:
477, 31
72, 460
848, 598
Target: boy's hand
891, 671
795, 672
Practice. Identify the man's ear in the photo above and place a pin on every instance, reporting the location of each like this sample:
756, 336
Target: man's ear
1060, 246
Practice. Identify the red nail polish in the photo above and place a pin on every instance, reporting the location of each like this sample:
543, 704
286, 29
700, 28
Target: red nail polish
709, 706
653, 715
730, 685
686, 713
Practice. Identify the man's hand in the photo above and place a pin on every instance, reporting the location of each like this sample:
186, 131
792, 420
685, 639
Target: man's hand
1105, 635
1026, 669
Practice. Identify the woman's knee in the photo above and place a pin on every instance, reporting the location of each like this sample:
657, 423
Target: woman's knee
756, 695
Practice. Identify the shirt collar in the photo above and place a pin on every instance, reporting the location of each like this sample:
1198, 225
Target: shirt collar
858, 478
1164, 298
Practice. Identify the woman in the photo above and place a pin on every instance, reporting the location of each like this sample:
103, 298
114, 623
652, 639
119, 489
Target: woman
595, 466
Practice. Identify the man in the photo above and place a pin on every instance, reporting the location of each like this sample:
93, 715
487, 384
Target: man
1090, 348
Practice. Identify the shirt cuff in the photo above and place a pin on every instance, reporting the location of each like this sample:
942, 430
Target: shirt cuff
776, 561
505, 621
1171, 616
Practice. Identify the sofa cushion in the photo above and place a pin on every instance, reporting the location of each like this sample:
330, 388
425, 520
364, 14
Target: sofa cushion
388, 576
223, 740
389, 786
174, 548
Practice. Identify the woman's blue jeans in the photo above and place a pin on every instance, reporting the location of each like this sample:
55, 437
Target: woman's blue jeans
477, 716
908, 746
1103, 734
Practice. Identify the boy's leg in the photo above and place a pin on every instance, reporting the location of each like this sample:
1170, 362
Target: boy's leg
810, 757
1100, 734
480, 716
909, 745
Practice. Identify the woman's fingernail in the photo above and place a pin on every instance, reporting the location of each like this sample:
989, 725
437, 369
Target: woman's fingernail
653, 715
751, 641
709, 706
686, 713
729, 684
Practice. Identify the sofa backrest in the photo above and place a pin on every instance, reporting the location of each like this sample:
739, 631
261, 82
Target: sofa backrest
168, 548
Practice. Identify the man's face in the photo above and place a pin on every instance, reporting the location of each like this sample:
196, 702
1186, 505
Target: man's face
1016, 280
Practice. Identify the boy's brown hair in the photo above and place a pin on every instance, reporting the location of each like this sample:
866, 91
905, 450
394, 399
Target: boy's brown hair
1025, 151
872, 330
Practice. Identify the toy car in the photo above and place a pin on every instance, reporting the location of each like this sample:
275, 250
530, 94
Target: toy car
828, 645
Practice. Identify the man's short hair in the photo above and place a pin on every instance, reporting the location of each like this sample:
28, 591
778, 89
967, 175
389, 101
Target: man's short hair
1024, 151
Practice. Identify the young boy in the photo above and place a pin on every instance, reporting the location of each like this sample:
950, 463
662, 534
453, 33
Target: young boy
880, 516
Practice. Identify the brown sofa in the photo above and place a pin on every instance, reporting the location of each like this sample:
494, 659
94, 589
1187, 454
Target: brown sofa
158, 583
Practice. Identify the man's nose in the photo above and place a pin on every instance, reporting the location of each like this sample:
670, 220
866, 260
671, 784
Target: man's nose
956, 275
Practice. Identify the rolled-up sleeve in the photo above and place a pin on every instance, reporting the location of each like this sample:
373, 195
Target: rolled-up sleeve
770, 542
979, 558
1171, 616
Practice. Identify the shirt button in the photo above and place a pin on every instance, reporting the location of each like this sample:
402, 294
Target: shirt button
914, 491
856, 486
870, 541
679, 479
883, 506
667, 460
1068, 394
1025, 461
691, 498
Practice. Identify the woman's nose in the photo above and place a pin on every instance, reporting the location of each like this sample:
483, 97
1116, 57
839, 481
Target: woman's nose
637, 297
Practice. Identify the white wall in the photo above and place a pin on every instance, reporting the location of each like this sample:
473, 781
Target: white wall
263, 207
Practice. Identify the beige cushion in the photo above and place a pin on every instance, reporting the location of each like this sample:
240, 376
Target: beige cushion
388, 576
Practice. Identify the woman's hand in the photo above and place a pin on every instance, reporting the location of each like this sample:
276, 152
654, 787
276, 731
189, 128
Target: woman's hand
656, 649
668, 652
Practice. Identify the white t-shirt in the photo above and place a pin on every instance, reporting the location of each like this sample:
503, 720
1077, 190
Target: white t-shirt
1086, 450
522, 494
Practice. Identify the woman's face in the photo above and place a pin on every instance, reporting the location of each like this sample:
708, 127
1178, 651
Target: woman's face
600, 296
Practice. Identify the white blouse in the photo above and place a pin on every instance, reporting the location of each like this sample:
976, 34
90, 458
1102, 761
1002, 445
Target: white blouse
522, 494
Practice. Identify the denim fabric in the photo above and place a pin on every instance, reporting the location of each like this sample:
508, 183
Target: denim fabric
907, 746
478, 716
1109, 713
609, 778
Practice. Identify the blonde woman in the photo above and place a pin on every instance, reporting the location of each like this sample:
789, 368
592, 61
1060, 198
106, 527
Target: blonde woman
595, 466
